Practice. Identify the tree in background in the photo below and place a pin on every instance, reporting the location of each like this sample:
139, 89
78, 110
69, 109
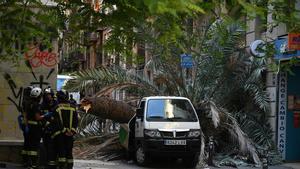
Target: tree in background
24, 21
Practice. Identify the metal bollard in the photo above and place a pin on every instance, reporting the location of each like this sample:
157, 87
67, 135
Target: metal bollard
211, 149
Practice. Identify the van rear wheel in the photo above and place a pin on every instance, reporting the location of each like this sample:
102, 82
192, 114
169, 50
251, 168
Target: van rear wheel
140, 156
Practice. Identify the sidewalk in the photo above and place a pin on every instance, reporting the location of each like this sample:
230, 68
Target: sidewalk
95, 164
283, 166
293, 165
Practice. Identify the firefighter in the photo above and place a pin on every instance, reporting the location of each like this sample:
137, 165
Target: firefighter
23, 125
72, 101
66, 120
48, 105
33, 119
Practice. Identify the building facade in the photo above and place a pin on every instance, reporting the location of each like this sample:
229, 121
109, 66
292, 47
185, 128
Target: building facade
282, 87
36, 67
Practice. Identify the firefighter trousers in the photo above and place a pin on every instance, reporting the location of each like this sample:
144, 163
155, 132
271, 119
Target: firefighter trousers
25, 150
50, 151
33, 144
65, 148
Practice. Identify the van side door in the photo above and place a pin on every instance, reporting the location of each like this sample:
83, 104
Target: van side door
139, 123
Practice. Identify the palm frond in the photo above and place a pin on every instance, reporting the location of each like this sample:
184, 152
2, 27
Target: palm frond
89, 125
245, 143
230, 123
259, 132
214, 114
107, 90
114, 77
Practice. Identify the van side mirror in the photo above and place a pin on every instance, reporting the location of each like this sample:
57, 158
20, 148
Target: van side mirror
139, 113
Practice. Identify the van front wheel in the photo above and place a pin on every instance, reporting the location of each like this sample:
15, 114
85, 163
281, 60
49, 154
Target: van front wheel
192, 161
140, 156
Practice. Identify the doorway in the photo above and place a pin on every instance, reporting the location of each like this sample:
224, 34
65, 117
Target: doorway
293, 116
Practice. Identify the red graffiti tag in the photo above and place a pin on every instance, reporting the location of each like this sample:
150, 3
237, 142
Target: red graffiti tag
40, 58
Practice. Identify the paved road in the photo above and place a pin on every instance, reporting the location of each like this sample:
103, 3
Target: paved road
83, 164
94, 164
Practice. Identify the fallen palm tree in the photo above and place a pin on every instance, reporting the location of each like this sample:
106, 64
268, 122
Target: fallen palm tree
108, 108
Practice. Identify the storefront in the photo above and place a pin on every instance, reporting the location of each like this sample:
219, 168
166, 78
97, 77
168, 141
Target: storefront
288, 103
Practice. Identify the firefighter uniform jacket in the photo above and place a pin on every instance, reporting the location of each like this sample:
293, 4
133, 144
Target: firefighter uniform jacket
65, 119
48, 106
31, 111
47, 123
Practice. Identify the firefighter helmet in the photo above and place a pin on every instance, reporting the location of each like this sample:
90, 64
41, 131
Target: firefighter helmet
36, 92
48, 90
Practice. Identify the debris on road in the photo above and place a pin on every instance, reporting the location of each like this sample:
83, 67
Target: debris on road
106, 148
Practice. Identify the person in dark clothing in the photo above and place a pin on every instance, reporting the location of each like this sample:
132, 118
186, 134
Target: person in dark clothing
23, 123
34, 130
66, 122
48, 105
72, 101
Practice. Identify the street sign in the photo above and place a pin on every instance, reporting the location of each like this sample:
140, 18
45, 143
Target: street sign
186, 61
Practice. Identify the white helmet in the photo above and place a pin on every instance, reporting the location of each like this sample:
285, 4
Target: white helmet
36, 92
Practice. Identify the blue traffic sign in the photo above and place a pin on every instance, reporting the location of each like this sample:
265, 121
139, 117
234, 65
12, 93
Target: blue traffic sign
186, 61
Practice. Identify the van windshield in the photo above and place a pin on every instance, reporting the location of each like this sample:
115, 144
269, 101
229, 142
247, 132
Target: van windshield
170, 110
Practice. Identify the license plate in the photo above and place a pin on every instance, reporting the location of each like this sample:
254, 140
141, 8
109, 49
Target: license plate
175, 142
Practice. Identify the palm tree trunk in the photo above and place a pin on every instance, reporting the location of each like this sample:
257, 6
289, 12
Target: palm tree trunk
107, 108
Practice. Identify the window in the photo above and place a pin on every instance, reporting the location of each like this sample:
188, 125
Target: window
170, 110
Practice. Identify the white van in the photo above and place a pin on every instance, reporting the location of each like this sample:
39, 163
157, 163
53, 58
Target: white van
166, 126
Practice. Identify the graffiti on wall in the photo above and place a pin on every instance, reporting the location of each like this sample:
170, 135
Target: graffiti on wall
18, 91
17, 98
42, 82
15, 93
39, 58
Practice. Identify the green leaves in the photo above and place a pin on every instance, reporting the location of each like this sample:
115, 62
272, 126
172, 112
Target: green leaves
23, 22
111, 77
173, 7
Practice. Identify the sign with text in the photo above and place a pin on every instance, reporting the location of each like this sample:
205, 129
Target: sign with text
282, 109
282, 52
186, 61
294, 41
